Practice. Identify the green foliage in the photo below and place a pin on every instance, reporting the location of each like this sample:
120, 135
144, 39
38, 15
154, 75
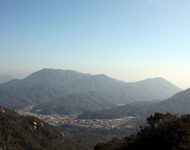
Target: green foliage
163, 131
101, 146
153, 120
91, 136
30, 133
115, 143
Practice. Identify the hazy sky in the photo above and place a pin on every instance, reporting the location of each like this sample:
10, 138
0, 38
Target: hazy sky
129, 40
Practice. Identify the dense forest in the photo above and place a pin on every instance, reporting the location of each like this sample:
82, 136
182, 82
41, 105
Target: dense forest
30, 133
91, 136
161, 131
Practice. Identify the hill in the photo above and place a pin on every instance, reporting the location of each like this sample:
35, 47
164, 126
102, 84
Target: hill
43, 85
20, 133
178, 104
76, 103
132, 109
162, 131
6, 78
52, 87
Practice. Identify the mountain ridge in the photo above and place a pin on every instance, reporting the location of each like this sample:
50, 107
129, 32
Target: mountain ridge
6, 78
179, 103
49, 84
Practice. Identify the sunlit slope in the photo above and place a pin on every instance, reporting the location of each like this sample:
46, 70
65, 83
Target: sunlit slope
23, 133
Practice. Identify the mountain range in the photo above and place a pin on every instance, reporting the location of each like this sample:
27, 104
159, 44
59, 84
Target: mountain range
179, 104
6, 78
70, 92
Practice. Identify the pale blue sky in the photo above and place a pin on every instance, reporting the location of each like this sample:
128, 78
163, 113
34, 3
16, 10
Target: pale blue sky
129, 40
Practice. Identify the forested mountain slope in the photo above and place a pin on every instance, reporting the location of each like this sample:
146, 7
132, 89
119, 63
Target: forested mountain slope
76, 103
28, 133
162, 132
177, 104
49, 84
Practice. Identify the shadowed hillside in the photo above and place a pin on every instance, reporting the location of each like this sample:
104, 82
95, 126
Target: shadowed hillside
6, 78
28, 133
76, 103
162, 131
47, 85
178, 104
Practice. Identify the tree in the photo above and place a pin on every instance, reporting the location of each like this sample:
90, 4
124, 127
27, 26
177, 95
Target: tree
155, 120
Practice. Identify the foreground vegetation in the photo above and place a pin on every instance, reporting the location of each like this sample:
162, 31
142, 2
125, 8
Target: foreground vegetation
162, 131
30, 133
91, 136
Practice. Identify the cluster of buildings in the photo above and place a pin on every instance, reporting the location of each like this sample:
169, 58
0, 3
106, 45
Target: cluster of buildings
101, 123
56, 119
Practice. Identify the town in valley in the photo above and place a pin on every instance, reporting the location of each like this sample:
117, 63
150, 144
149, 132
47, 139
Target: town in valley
57, 119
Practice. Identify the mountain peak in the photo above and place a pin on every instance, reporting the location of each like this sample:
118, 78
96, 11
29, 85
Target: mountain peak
50, 84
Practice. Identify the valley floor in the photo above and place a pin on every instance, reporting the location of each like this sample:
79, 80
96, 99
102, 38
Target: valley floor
57, 119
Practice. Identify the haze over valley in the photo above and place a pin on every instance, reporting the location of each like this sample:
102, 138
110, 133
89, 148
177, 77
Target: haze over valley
70, 92
94, 75
126, 40
93, 104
